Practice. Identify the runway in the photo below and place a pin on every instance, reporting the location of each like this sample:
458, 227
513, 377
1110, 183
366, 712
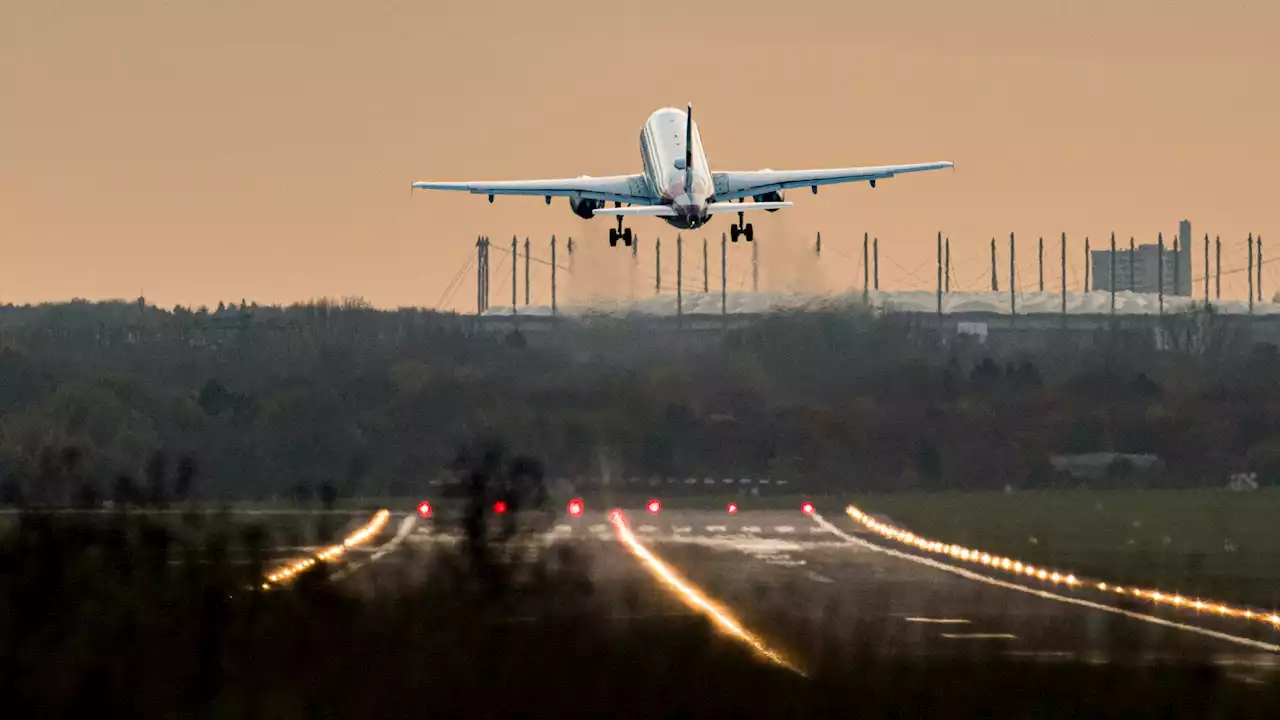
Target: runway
808, 591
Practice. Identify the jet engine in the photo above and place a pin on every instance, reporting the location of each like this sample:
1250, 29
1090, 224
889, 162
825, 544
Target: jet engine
583, 207
775, 196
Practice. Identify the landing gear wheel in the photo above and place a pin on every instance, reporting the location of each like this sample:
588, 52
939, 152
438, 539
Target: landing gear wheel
733, 232
626, 237
613, 238
750, 233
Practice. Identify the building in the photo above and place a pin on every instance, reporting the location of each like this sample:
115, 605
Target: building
1139, 270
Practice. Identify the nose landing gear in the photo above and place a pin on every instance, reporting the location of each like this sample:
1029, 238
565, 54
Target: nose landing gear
619, 234
741, 229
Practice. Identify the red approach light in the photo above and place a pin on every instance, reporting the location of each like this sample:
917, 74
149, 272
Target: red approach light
575, 507
807, 508
424, 509
500, 506
733, 508
654, 506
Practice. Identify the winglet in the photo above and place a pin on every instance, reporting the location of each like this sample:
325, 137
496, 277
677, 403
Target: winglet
688, 149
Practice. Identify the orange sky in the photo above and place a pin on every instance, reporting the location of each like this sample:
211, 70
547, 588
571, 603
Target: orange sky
205, 150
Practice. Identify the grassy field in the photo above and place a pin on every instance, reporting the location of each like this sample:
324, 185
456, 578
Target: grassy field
1211, 543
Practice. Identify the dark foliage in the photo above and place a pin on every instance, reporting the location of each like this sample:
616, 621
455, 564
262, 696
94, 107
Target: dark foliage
325, 401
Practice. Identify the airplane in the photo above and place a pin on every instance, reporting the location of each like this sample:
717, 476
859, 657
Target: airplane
677, 184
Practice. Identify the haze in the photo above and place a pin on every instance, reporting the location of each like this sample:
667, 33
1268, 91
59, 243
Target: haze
201, 150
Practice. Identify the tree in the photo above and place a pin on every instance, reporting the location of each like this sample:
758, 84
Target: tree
124, 492
328, 495
157, 468
184, 478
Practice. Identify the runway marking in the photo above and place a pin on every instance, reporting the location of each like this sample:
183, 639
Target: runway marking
404, 531
979, 636
816, 577
647, 529
784, 529
564, 529
717, 528
693, 597
599, 528
929, 562
751, 529
938, 621
682, 529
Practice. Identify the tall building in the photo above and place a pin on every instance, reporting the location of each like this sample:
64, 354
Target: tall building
1145, 261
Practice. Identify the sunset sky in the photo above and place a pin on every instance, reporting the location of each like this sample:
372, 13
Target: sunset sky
206, 150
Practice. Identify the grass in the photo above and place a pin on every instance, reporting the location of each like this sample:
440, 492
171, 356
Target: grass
1210, 543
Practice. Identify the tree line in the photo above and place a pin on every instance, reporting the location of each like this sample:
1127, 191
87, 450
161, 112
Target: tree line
328, 399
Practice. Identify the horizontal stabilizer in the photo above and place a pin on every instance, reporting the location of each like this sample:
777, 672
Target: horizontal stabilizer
719, 208
653, 210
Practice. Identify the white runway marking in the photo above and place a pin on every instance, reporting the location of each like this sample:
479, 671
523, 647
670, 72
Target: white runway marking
816, 577
716, 528
560, 529
939, 621
784, 529
751, 529
647, 529
599, 528
979, 636
405, 530
929, 562
682, 529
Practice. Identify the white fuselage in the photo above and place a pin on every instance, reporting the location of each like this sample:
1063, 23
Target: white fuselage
662, 150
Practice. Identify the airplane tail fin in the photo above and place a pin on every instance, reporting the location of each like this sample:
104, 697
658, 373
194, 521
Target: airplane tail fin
722, 208
652, 210
688, 149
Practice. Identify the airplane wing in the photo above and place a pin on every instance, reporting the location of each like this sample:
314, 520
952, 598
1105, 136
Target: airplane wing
734, 185
617, 188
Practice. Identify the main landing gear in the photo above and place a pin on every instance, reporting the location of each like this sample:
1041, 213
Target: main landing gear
619, 234
741, 229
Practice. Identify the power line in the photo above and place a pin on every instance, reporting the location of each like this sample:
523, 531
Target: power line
456, 282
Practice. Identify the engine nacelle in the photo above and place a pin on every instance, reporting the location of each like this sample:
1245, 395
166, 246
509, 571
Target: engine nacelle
584, 207
775, 196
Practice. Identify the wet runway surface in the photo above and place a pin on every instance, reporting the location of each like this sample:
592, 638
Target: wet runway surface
806, 590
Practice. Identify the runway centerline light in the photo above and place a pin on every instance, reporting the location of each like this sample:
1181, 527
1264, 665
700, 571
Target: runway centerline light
575, 507
500, 507
424, 509
806, 508
733, 508
653, 507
